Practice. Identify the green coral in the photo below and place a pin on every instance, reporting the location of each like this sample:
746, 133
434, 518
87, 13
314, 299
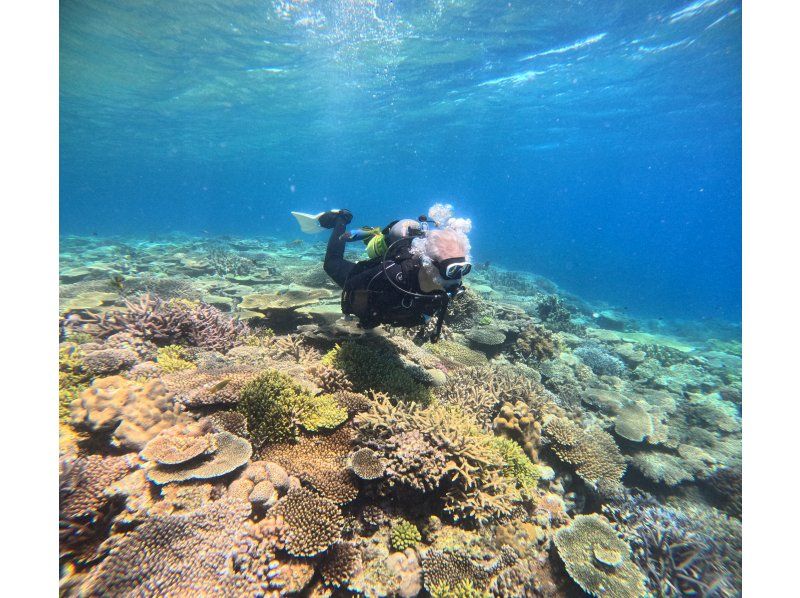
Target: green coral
517, 464
462, 589
270, 402
73, 377
403, 534
322, 412
372, 368
172, 359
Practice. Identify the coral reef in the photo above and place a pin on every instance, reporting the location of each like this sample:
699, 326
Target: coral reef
226, 454
172, 358
594, 454
375, 368
403, 534
600, 361
597, 560
304, 523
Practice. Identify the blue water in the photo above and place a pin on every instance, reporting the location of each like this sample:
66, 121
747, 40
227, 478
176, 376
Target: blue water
595, 142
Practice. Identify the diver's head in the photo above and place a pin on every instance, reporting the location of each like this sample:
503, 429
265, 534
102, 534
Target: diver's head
445, 255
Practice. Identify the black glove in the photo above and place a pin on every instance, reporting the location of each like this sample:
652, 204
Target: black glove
329, 218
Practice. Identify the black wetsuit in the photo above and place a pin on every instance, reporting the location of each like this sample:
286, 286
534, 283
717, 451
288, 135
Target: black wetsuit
367, 291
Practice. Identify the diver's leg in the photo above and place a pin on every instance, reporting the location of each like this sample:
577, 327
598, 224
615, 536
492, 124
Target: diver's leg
335, 265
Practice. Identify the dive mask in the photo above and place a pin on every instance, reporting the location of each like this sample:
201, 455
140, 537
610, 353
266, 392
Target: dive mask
453, 268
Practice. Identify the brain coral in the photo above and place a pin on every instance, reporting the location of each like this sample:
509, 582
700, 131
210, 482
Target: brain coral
597, 560
230, 452
306, 523
135, 412
593, 453
174, 555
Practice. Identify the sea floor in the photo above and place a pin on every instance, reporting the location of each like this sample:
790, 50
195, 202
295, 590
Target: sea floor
225, 431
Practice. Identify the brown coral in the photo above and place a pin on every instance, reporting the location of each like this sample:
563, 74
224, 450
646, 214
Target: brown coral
174, 555
135, 412
537, 343
305, 523
341, 563
259, 483
319, 461
200, 389
230, 452
366, 464
593, 453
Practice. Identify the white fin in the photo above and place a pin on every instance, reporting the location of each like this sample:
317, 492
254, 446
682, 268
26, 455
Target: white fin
308, 222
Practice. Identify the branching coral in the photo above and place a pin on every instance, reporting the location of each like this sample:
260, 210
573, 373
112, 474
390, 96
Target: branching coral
517, 464
597, 560
176, 321
444, 571
342, 562
375, 368
695, 553
268, 402
600, 361
305, 523
593, 453
536, 343
320, 462
175, 555
403, 534
172, 358
454, 450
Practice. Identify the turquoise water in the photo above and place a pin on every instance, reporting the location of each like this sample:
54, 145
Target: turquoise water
596, 143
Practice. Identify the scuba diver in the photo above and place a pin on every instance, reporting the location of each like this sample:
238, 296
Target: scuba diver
414, 268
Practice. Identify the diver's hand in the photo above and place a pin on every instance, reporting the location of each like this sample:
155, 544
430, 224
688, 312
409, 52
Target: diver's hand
329, 218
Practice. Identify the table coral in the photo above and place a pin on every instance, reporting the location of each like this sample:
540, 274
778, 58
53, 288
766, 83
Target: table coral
366, 464
633, 422
458, 354
661, 467
134, 412
174, 555
229, 453
597, 560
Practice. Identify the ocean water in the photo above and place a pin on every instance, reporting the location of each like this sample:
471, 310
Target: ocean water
595, 143
225, 431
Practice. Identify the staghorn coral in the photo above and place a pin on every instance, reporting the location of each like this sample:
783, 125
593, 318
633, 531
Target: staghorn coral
593, 453
453, 449
376, 368
176, 321
330, 379
597, 560
305, 523
320, 462
342, 562
229, 453
403, 534
366, 464
193, 562
172, 359
445, 570
133, 412
682, 553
